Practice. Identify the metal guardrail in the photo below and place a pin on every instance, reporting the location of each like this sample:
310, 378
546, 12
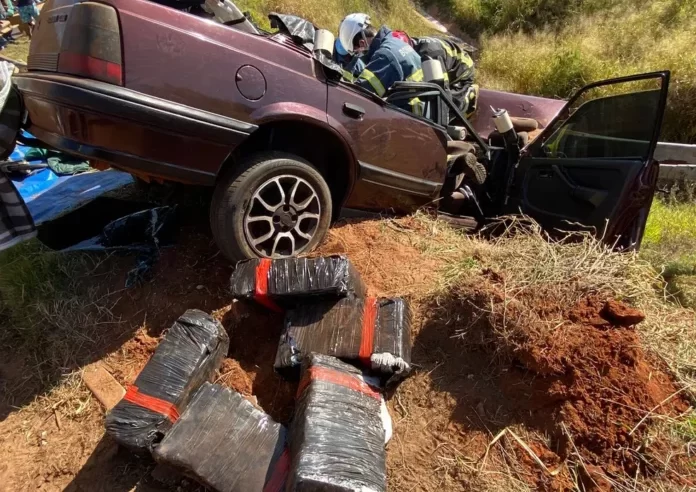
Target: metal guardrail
673, 153
677, 161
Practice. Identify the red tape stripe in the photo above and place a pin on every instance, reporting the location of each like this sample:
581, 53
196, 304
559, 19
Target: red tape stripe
133, 395
367, 338
261, 294
281, 468
333, 376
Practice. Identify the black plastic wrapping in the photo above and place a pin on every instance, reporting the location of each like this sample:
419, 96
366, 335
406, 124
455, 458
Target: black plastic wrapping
226, 443
336, 436
375, 333
300, 30
188, 355
289, 281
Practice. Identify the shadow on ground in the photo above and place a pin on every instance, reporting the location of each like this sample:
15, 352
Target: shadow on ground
111, 468
191, 274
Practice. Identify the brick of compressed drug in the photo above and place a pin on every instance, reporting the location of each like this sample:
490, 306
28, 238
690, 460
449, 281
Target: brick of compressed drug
285, 282
336, 436
374, 333
227, 444
187, 356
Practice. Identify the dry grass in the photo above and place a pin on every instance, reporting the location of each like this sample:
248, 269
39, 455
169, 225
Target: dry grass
421, 258
534, 270
398, 14
620, 38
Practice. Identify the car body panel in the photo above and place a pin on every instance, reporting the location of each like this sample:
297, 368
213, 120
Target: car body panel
542, 109
403, 161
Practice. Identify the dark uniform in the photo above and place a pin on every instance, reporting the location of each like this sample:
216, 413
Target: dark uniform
351, 65
390, 60
458, 67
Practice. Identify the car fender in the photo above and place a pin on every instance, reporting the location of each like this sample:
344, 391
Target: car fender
293, 111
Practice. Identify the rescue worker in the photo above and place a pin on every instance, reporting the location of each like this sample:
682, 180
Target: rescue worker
458, 67
387, 59
351, 65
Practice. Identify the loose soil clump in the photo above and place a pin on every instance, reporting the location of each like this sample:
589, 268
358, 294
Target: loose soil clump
588, 385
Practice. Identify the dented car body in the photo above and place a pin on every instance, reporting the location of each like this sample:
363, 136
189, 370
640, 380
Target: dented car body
170, 96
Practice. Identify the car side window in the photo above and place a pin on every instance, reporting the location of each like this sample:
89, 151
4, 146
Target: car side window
613, 122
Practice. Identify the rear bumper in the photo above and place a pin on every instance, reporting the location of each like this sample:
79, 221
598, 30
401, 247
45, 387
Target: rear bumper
128, 129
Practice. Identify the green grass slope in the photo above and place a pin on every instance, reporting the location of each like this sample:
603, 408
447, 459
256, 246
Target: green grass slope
552, 47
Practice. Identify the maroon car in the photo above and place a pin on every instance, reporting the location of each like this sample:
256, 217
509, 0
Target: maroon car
168, 95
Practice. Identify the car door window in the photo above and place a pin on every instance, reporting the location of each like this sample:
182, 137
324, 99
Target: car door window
607, 122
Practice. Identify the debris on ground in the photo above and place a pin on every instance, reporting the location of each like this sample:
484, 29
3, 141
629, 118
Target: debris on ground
227, 444
372, 332
103, 385
188, 355
144, 232
337, 437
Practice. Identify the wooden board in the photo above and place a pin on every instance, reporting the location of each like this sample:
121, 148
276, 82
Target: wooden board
103, 385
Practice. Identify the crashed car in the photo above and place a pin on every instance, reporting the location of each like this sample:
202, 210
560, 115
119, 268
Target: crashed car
266, 119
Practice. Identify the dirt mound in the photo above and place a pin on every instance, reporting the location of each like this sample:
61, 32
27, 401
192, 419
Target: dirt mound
588, 385
385, 255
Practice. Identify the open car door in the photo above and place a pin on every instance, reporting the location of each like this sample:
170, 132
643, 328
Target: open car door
593, 167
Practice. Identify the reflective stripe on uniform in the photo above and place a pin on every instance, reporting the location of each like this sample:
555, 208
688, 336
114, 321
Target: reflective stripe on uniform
374, 82
348, 76
466, 59
446, 47
417, 106
416, 76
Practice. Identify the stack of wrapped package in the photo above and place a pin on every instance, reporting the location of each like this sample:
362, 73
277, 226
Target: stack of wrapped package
372, 332
188, 355
337, 435
278, 284
343, 345
227, 444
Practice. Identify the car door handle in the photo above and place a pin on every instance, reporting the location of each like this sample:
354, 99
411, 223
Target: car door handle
353, 111
591, 195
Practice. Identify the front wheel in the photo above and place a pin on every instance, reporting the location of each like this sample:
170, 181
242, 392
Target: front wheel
274, 205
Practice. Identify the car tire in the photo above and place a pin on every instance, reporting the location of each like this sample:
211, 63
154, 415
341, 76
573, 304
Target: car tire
273, 205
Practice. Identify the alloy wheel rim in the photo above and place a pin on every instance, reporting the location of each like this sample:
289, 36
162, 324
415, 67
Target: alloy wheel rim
282, 217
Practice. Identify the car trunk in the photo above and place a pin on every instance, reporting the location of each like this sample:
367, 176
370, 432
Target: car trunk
78, 38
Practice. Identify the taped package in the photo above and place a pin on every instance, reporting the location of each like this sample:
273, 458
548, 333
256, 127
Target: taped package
282, 283
372, 332
188, 355
227, 444
337, 436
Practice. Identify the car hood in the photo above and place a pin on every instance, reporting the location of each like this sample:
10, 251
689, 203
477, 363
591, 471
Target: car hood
542, 109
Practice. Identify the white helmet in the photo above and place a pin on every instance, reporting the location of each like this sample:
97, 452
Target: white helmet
350, 27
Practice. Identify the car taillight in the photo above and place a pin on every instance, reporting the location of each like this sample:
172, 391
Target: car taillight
90, 67
91, 44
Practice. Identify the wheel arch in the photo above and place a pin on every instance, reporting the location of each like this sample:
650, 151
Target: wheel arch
307, 137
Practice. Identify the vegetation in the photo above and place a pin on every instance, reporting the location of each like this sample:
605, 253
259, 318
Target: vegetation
668, 244
553, 47
328, 14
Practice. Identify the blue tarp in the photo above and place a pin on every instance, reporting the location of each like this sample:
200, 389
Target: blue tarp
49, 196
66, 193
